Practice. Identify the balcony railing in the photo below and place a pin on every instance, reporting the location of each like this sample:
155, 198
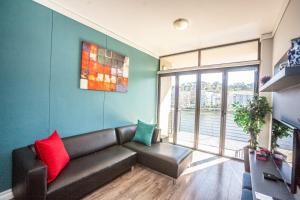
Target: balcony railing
235, 138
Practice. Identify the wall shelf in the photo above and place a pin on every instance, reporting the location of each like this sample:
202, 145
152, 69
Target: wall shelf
285, 78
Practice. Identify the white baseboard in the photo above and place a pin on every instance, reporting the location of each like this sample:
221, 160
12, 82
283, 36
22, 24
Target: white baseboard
6, 195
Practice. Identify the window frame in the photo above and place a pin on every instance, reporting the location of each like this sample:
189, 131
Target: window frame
219, 65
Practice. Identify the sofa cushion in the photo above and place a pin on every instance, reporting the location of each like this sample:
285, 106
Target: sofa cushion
53, 153
80, 145
87, 173
164, 157
144, 133
126, 133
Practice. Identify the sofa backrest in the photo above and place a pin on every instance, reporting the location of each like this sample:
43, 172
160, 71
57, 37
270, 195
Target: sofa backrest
126, 133
80, 145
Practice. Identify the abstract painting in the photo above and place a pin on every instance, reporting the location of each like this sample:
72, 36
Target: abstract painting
103, 69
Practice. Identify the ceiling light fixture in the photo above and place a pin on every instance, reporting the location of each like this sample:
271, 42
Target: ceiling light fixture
181, 24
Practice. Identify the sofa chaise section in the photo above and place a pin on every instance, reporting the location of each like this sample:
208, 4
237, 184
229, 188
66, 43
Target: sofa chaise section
166, 158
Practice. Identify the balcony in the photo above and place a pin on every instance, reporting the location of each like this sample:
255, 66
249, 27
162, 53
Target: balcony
209, 135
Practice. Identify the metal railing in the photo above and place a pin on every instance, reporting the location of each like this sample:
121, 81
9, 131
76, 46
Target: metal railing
210, 124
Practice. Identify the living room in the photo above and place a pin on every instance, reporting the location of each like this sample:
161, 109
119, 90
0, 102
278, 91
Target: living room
150, 99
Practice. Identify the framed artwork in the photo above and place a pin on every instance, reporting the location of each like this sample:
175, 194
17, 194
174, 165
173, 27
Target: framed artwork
103, 69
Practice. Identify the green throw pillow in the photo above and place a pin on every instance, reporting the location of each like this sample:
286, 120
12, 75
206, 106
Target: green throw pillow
144, 133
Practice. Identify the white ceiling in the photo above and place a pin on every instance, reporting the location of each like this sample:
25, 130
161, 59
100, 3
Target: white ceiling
148, 23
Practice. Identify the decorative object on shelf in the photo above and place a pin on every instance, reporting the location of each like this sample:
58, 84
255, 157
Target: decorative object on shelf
294, 53
286, 78
251, 116
265, 79
102, 69
279, 130
263, 154
283, 65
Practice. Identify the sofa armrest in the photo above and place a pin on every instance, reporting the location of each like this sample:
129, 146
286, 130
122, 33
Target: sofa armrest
156, 136
29, 175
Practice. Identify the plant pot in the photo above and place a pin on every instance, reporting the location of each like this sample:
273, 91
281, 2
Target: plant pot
246, 158
251, 150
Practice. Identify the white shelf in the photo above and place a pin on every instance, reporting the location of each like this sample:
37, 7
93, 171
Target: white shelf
285, 78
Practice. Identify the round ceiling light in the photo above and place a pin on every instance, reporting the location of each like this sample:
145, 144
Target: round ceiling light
181, 24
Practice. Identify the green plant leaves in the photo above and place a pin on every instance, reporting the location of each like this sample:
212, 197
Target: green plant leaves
279, 130
251, 117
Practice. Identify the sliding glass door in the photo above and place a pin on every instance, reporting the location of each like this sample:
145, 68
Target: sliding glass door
196, 108
240, 89
186, 110
210, 111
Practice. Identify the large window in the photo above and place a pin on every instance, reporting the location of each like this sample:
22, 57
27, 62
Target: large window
196, 108
209, 57
197, 90
184, 60
228, 54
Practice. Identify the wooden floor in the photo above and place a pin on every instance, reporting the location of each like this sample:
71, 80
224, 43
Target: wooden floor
210, 177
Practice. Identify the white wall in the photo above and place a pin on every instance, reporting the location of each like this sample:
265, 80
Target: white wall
266, 69
288, 29
273, 49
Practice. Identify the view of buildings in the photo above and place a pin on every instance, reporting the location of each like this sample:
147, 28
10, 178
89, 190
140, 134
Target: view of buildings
211, 94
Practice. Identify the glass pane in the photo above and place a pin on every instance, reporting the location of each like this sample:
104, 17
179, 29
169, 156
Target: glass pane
228, 54
210, 112
240, 89
167, 100
179, 61
186, 110
286, 147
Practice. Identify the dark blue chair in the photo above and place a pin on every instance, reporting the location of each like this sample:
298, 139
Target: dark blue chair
246, 195
246, 187
247, 181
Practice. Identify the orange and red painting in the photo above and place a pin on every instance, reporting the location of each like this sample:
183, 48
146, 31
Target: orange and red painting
102, 69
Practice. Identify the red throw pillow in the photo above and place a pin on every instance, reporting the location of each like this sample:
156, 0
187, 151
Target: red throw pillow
53, 153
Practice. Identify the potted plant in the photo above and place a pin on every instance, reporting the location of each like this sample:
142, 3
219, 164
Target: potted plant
279, 130
251, 117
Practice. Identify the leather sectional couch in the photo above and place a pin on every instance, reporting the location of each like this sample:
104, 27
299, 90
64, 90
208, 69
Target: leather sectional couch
95, 159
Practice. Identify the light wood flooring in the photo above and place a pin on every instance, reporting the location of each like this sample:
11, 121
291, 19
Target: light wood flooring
210, 177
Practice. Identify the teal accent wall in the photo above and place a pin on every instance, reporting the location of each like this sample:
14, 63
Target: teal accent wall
39, 81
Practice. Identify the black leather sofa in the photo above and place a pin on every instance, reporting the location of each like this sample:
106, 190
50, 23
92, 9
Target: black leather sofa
95, 159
